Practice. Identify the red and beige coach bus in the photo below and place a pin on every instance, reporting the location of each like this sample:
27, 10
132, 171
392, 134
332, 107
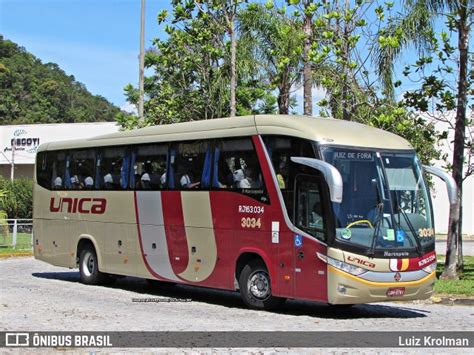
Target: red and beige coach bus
274, 206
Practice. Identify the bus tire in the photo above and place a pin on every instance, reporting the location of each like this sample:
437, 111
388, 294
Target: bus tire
89, 267
255, 287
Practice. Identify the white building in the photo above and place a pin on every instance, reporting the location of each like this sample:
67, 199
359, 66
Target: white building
439, 193
28, 137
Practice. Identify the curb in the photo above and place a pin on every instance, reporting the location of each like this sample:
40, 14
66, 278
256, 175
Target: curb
4, 256
452, 301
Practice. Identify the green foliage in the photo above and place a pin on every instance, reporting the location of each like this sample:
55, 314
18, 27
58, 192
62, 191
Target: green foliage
3, 213
463, 286
192, 73
417, 130
436, 96
18, 197
33, 92
192, 70
276, 42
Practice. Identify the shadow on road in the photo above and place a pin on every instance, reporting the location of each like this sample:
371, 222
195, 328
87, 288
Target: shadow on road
232, 299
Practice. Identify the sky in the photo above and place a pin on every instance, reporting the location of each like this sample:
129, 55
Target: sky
97, 41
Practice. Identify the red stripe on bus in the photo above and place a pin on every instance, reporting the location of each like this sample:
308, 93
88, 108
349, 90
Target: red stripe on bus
173, 220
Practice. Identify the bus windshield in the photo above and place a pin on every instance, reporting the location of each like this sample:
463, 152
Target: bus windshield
385, 206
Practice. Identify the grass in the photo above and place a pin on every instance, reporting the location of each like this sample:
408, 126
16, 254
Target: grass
23, 244
464, 286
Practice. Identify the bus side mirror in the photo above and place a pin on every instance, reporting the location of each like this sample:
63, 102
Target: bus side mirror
448, 179
330, 173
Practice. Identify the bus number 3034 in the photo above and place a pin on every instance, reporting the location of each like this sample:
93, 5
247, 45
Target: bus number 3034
250, 222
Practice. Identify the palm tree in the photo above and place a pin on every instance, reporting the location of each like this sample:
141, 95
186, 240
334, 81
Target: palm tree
413, 27
276, 42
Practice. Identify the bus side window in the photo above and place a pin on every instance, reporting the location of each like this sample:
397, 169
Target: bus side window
42, 171
81, 169
190, 165
56, 162
114, 168
149, 167
236, 167
281, 149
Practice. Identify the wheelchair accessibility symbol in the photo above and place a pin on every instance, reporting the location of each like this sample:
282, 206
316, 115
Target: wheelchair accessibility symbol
298, 241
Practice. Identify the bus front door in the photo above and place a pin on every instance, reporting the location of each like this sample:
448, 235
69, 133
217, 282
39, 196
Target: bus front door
310, 271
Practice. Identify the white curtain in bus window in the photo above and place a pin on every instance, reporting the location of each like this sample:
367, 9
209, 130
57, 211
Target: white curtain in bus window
149, 167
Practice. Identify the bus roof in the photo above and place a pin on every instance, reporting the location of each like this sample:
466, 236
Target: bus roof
322, 130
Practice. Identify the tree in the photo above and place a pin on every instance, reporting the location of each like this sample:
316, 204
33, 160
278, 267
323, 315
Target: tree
34, 92
17, 200
276, 40
306, 10
223, 13
192, 72
345, 36
415, 27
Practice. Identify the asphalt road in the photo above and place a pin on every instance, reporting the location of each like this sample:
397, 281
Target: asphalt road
35, 296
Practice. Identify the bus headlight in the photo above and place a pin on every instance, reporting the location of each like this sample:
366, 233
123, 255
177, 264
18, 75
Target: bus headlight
430, 268
350, 269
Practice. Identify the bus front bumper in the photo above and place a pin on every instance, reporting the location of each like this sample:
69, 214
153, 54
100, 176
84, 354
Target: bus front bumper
344, 288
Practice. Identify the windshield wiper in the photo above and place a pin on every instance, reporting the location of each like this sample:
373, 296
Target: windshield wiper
412, 230
378, 218
407, 220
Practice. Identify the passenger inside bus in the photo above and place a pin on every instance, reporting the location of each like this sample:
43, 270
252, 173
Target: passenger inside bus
238, 176
75, 183
108, 182
282, 174
186, 181
145, 181
89, 183
58, 182
225, 177
316, 216
250, 181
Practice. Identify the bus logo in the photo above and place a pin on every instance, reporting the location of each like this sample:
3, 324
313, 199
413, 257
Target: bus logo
361, 261
78, 205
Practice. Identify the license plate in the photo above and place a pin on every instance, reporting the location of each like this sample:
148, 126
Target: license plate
396, 291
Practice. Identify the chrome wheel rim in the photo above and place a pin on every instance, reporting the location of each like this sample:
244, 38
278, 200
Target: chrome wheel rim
259, 285
88, 264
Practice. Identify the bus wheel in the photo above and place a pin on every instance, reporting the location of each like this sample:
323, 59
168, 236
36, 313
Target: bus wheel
255, 287
89, 267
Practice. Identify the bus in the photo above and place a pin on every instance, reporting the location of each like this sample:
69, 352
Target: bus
277, 207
